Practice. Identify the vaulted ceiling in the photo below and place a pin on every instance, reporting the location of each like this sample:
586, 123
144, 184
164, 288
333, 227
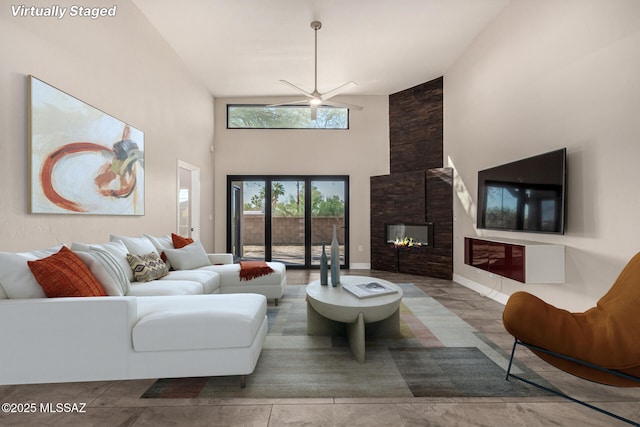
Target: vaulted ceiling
244, 47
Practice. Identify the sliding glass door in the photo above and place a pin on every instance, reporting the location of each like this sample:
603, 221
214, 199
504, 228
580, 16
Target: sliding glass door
328, 201
287, 221
287, 218
246, 219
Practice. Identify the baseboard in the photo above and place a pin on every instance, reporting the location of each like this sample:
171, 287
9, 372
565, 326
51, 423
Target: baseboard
474, 286
481, 289
360, 266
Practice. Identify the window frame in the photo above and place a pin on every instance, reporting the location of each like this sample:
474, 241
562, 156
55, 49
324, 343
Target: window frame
348, 112
269, 179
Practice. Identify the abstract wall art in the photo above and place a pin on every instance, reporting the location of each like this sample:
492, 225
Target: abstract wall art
83, 161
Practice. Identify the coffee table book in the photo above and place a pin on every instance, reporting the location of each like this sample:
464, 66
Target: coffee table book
367, 290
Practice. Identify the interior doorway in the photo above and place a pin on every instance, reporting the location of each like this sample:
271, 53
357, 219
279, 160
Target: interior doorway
188, 200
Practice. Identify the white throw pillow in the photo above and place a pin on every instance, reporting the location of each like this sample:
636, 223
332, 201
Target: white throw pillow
79, 247
110, 285
188, 257
114, 268
161, 243
136, 245
119, 252
15, 276
103, 262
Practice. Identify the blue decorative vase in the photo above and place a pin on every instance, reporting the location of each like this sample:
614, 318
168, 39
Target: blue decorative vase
335, 259
324, 267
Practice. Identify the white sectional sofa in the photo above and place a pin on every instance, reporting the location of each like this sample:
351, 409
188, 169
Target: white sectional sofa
115, 338
175, 326
195, 267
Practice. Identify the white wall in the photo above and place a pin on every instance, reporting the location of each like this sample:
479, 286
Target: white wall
360, 152
549, 74
122, 66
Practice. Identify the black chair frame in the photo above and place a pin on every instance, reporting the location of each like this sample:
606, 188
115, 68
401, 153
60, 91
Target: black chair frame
559, 393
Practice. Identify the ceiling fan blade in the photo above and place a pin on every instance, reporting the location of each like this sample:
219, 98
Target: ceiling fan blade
343, 105
300, 102
291, 85
337, 90
315, 98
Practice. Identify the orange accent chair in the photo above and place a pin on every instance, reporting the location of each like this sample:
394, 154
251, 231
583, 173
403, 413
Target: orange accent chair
602, 344
606, 336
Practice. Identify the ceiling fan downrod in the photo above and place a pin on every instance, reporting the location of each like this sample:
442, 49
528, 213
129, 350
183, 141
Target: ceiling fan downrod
316, 25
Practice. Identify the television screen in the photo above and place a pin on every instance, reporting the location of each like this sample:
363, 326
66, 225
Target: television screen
526, 195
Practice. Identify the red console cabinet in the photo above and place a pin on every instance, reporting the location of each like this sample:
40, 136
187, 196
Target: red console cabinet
523, 261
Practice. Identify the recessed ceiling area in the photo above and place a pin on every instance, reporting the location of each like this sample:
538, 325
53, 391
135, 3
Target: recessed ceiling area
244, 48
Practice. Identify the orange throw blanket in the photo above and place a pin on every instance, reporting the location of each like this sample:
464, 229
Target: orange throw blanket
252, 269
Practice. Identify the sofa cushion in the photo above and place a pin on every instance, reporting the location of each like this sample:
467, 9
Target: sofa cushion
147, 267
179, 241
63, 274
16, 279
135, 245
210, 280
198, 322
189, 257
219, 259
101, 272
165, 287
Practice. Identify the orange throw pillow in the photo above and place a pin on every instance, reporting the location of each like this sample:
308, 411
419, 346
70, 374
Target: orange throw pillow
63, 274
180, 242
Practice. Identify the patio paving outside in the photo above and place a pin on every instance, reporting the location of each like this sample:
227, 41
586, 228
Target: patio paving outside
289, 254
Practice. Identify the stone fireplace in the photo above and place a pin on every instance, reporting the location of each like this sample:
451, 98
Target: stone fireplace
418, 191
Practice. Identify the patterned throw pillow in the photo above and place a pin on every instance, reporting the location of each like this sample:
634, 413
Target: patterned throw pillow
147, 267
63, 274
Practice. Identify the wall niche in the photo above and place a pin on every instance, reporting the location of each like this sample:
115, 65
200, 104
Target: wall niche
419, 189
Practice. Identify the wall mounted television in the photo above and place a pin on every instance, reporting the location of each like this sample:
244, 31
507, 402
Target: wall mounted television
527, 195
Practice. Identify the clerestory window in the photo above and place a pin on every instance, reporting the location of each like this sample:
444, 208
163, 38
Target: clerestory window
285, 117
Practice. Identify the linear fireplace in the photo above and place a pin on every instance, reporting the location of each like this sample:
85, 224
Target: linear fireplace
422, 234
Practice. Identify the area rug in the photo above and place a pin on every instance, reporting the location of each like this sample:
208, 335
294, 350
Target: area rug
436, 354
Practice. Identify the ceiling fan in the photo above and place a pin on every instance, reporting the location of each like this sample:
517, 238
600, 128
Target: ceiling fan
315, 98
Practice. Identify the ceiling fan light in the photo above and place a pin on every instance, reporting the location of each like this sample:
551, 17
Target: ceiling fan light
315, 101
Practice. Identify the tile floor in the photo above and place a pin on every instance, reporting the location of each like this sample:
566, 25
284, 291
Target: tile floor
117, 403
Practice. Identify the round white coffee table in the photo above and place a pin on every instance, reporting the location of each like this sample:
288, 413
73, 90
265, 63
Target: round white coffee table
327, 305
